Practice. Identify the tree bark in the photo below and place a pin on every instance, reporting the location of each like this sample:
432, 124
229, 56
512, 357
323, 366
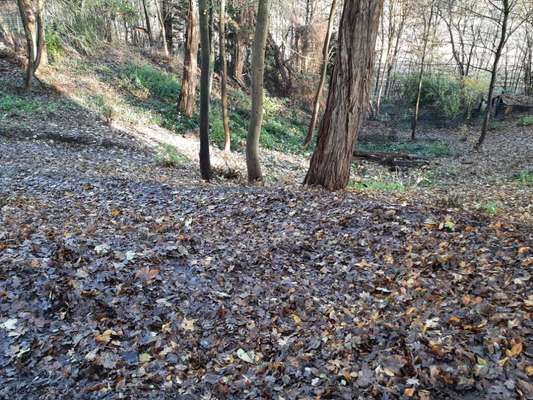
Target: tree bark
187, 99
494, 73
148, 24
427, 31
212, 45
167, 22
31, 14
258, 69
323, 74
224, 76
348, 95
162, 24
205, 162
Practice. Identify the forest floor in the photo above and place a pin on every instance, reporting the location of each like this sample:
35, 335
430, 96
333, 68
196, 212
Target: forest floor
122, 277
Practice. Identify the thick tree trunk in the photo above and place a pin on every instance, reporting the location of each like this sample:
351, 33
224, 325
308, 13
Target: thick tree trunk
494, 74
348, 95
187, 99
224, 76
323, 74
205, 162
258, 70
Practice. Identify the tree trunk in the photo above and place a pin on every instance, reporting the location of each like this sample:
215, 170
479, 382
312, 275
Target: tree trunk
187, 99
31, 14
258, 70
427, 30
167, 22
323, 74
211, 45
163, 30
494, 74
224, 76
205, 162
348, 95
148, 25
238, 63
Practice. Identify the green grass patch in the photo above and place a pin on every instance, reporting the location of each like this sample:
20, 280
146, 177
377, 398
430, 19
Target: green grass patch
525, 178
422, 148
168, 156
155, 82
526, 120
377, 185
498, 126
488, 207
13, 106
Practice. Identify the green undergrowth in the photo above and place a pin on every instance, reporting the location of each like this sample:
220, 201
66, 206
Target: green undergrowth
421, 148
168, 156
18, 106
526, 120
149, 94
377, 185
525, 178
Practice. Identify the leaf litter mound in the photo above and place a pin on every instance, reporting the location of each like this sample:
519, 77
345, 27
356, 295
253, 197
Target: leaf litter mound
117, 284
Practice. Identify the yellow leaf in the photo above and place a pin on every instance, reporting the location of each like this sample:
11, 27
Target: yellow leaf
524, 250
145, 357
482, 361
297, 319
529, 370
105, 337
188, 324
454, 320
115, 212
515, 349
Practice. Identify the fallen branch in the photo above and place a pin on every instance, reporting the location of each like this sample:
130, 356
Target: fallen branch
403, 160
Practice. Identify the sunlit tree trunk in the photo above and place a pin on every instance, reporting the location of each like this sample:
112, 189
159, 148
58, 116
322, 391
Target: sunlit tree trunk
258, 70
348, 95
163, 30
323, 74
187, 99
31, 14
224, 76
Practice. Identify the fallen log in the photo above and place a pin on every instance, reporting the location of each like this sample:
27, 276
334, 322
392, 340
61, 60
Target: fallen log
393, 160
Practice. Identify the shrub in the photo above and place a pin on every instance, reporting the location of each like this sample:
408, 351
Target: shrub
525, 178
440, 94
473, 91
168, 156
157, 83
526, 120
54, 47
85, 25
